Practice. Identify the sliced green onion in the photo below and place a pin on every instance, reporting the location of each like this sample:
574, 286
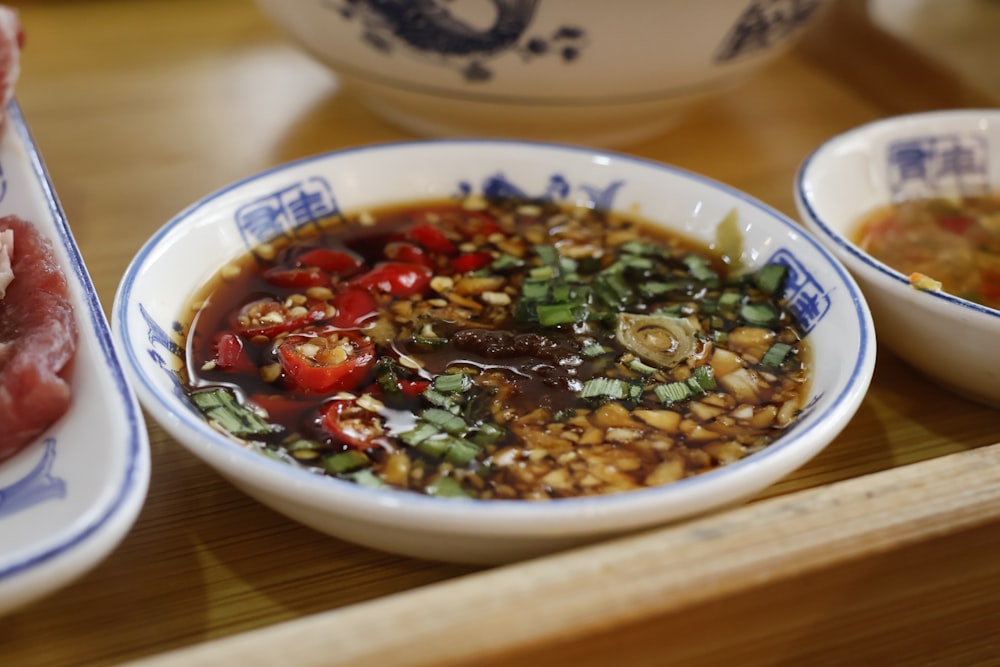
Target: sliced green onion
548, 254
444, 420
419, 434
770, 278
759, 313
546, 272
435, 397
672, 392
488, 434
446, 487
461, 451
452, 382
704, 376
592, 350
602, 387
559, 313
221, 406
639, 367
504, 262
435, 446
366, 477
699, 268
775, 355
535, 289
344, 462
728, 301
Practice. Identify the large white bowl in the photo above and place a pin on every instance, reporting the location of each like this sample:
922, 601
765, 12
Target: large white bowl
588, 71
953, 341
161, 280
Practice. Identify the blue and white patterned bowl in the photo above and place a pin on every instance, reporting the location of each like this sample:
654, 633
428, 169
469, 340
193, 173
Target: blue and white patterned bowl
942, 153
588, 71
188, 250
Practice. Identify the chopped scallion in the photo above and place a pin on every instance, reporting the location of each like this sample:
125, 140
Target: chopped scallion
452, 382
342, 462
775, 355
446, 487
759, 313
603, 387
672, 392
445, 420
770, 278
221, 406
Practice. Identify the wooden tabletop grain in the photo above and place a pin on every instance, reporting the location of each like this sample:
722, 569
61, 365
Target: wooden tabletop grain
882, 550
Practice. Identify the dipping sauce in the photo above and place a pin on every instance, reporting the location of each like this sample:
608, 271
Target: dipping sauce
953, 242
496, 349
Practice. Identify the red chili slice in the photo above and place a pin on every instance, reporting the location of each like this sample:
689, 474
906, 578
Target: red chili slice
404, 251
352, 425
326, 360
230, 352
298, 277
471, 224
471, 261
354, 305
956, 224
270, 317
396, 278
339, 262
430, 237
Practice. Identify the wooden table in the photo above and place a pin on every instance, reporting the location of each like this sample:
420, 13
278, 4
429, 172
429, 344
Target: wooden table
882, 550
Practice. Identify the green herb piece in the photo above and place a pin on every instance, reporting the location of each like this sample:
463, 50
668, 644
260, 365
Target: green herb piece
546, 272
603, 387
535, 289
699, 268
434, 446
344, 462
651, 290
775, 355
638, 366
729, 301
444, 420
759, 313
504, 262
672, 392
367, 478
460, 451
548, 254
419, 434
445, 401
221, 406
488, 434
705, 377
771, 278
447, 487
593, 349
610, 287
452, 382
559, 313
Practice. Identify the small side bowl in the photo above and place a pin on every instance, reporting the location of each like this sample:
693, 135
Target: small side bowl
178, 259
951, 340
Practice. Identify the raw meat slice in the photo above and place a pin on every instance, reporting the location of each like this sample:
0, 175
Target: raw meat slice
38, 339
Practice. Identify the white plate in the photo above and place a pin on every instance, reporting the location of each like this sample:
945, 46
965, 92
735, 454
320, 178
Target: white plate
68, 499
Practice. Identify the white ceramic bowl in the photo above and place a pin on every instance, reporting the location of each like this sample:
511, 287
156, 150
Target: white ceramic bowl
588, 71
161, 280
953, 341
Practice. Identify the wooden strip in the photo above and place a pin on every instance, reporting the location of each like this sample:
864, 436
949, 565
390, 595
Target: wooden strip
619, 583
